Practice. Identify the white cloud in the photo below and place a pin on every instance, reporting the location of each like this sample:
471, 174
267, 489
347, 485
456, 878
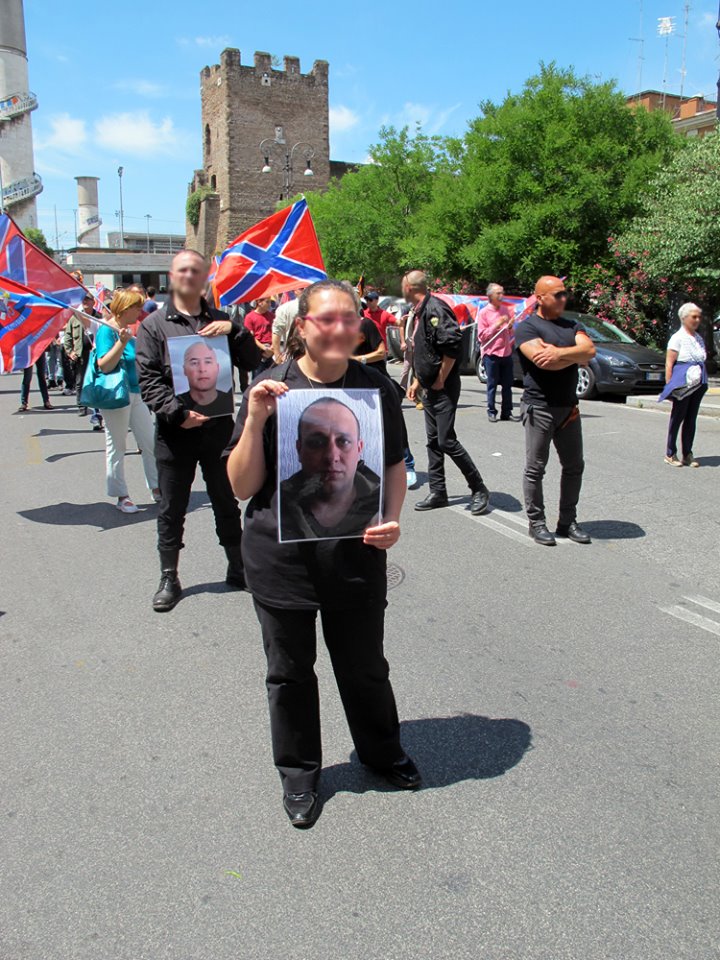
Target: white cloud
67, 134
707, 19
143, 88
209, 41
430, 118
342, 118
136, 133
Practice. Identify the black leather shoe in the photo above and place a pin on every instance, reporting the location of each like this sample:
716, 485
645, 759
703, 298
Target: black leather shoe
168, 593
432, 501
403, 774
493, 417
479, 501
512, 417
542, 535
573, 532
303, 809
235, 576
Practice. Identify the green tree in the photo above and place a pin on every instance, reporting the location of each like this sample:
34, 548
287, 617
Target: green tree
677, 232
539, 182
362, 219
36, 236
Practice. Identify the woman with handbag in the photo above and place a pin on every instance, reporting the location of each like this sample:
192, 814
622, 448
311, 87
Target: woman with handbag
685, 384
115, 354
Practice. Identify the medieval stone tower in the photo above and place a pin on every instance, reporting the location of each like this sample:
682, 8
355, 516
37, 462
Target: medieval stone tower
242, 106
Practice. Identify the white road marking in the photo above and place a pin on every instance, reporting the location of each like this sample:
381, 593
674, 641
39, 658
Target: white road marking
681, 613
491, 524
704, 602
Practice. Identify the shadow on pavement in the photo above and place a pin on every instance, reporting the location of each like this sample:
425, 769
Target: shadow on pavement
708, 461
613, 529
446, 750
102, 514
76, 453
505, 501
50, 432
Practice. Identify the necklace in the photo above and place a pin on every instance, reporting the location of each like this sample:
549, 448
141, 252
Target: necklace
312, 383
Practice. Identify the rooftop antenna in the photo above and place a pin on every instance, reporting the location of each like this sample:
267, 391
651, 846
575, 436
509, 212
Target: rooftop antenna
641, 54
683, 69
665, 28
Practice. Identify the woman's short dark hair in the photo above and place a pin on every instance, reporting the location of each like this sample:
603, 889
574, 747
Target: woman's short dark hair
308, 293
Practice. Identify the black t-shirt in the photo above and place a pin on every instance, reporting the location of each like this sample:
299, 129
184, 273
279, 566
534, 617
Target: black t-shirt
548, 388
370, 341
329, 574
221, 406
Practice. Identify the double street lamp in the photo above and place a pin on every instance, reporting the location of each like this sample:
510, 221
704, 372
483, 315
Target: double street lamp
274, 145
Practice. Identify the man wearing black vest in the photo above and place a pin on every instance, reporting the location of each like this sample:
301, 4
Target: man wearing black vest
437, 343
185, 438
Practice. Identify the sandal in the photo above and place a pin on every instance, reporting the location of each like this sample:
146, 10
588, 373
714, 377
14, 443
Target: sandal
48, 406
22, 408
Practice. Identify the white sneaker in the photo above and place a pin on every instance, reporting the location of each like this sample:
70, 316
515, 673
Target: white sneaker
411, 478
125, 505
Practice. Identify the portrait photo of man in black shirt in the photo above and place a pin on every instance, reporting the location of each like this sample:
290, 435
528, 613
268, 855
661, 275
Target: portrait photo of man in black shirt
201, 368
335, 494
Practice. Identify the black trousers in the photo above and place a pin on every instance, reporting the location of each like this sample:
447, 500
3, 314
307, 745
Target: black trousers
178, 454
354, 639
684, 414
499, 370
40, 370
562, 427
79, 369
440, 407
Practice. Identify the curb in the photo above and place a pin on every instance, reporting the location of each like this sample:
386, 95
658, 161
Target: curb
707, 409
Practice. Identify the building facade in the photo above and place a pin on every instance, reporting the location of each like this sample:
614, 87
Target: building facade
690, 116
18, 180
243, 107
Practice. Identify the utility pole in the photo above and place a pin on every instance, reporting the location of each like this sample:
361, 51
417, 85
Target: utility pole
683, 69
57, 238
122, 225
147, 217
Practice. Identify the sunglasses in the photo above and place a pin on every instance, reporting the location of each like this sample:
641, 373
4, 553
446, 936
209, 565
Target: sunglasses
350, 321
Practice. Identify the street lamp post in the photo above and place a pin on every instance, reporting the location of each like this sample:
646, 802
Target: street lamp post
272, 145
122, 225
147, 217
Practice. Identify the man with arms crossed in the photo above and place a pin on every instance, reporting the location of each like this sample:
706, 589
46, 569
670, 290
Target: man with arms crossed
551, 348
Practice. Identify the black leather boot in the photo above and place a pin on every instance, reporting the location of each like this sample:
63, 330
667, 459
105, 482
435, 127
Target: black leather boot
169, 591
235, 576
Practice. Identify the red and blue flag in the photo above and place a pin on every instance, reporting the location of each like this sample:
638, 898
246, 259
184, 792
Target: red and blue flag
23, 262
28, 322
279, 253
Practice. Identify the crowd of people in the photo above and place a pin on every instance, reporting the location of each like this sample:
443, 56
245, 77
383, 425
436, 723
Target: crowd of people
325, 339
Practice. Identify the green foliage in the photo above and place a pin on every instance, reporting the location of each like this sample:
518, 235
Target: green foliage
192, 204
670, 251
36, 236
363, 218
539, 182
677, 232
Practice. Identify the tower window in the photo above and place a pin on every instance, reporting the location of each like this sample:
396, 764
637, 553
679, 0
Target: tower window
213, 182
208, 142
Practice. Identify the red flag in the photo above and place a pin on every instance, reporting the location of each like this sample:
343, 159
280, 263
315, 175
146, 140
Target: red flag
28, 323
279, 253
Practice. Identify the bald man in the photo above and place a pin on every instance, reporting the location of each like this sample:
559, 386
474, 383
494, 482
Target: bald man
202, 369
551, 347
437, 343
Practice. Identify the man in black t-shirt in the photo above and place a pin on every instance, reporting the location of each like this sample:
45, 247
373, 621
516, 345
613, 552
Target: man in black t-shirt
551, 347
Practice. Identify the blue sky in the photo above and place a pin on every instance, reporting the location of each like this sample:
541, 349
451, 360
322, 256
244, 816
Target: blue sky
118, 83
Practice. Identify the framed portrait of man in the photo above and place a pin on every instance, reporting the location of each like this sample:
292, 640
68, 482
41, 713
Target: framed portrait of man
202, 374
330, 464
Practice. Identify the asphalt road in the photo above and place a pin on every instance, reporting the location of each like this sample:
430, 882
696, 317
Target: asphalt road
561, 703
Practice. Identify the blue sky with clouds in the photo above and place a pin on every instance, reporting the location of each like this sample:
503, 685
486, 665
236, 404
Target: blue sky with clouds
118, 83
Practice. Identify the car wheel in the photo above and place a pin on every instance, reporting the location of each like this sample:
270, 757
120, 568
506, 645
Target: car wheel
480, 370
586, 388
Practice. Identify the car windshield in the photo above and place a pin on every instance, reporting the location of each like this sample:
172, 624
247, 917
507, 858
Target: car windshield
601, 331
